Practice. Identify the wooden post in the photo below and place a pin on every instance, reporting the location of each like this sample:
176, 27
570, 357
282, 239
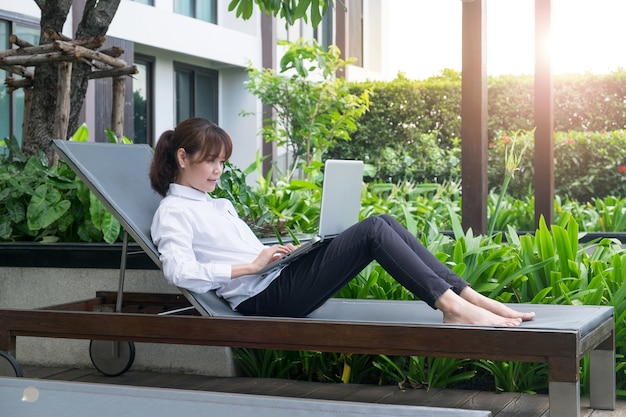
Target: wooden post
117, 108
544, 115
63, 100
268, 40
474, 117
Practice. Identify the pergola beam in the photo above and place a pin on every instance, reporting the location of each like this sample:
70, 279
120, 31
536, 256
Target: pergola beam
544, 115
474, 116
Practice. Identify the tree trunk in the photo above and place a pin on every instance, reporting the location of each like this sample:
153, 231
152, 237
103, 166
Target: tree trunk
40, 124
97, 16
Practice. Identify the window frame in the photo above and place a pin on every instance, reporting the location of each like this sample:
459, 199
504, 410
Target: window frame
213, 74
149, 62
194, 10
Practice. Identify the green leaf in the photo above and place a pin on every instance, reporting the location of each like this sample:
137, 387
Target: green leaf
45, 207
81, 134
97, 211
110, 228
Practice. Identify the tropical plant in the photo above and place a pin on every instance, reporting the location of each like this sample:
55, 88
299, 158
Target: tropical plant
43, 204
549, 266
512, 160
313, 107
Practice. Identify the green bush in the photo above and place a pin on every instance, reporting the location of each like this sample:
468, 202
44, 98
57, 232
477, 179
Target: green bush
412, 129
587, 165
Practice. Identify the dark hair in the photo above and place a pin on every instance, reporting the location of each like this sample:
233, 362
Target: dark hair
201, 140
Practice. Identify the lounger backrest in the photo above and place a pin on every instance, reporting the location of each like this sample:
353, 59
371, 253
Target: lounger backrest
118, 176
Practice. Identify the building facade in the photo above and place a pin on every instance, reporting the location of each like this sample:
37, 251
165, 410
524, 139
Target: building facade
192, 57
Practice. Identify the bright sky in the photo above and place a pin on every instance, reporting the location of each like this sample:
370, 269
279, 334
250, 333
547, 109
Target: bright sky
587, 36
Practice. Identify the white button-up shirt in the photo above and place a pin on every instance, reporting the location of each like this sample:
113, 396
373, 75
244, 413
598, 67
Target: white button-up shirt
199, 238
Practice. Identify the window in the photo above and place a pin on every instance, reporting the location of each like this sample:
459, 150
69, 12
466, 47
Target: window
196, 92
142, 101
12, 105
205, 10
324, 32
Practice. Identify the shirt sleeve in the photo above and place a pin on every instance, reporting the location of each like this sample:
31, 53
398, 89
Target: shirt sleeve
172, 233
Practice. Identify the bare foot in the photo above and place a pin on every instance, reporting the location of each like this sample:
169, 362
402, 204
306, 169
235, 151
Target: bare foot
494, 306
457, 310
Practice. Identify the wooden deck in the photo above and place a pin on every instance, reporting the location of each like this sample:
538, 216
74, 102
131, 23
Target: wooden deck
501, 405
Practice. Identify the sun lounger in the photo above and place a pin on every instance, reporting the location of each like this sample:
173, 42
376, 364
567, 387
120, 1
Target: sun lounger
560, 336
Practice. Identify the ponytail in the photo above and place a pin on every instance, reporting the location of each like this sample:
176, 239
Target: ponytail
164, 168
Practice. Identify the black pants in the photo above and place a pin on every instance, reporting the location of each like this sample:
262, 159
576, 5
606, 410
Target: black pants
308, 282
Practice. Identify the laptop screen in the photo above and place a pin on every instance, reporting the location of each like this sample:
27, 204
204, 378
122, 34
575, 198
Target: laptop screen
341, 196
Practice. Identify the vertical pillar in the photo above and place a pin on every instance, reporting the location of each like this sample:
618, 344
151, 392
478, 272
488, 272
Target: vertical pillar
474, 117
341, 31
544, 115
117, 106
268, 60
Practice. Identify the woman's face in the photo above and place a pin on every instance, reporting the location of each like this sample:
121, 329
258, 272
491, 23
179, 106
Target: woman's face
199, 174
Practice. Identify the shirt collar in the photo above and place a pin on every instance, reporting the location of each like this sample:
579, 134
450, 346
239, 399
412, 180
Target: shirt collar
187, 192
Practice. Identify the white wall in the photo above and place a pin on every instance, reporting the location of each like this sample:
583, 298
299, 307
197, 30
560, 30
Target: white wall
160, 27
244, 130
28, 8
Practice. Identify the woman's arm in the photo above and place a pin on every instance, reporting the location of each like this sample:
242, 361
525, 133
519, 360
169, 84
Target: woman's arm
267, 255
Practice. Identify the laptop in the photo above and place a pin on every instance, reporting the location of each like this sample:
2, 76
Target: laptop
341, 203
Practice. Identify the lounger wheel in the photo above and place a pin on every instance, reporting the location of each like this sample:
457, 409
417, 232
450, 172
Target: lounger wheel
112, 358
9, 366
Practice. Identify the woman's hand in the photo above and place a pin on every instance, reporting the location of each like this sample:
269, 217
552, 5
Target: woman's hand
272, 253
267, 255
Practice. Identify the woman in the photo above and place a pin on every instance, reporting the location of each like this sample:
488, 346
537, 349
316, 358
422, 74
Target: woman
204, 245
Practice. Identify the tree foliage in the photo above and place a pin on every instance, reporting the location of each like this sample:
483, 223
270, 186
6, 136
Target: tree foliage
313, 107
308, 10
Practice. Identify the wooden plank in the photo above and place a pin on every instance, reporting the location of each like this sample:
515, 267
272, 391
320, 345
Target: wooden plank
526, 405
297, 389
416, 397
81, 305
43, 372
336, 392
495, 403
73, 374
433, 397
374, 393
